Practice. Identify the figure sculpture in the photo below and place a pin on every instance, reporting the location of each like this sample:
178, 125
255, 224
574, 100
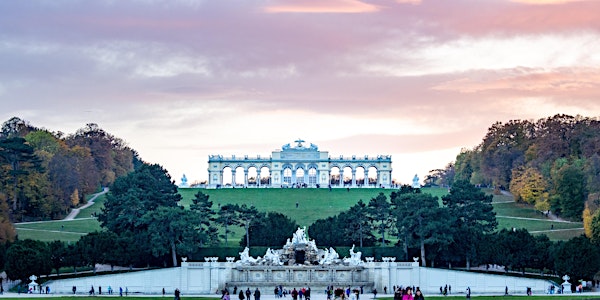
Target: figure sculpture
245, 257
355, 258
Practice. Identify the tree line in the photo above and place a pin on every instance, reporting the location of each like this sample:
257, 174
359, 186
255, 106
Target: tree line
44, 174
552, 164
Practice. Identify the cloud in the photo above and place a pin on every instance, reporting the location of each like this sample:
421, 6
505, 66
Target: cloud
319, 6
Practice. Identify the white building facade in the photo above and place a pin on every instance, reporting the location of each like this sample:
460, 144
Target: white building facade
304, 166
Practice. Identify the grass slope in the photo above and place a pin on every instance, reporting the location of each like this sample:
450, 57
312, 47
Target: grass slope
313, 204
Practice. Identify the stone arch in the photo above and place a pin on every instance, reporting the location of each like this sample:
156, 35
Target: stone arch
226, 175
372, 175
287, 171
265, 175
252, 177
335, 175
361, 175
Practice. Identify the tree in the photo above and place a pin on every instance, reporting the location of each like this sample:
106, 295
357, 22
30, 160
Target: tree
206, 216
18, 155
247, 218
578, 258
95, 247
380, 215
7, 229
27, 257
529, 185
326, 232
227, 216
173, 230
136, 194
595, 228
421, 221
142, 204
356, 226
272, 229
58, 253
569, 189
472, 213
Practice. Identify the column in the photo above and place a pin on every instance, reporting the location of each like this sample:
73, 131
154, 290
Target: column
220, 178
258, 177
353, 177
245, 177
378, 178
233, 178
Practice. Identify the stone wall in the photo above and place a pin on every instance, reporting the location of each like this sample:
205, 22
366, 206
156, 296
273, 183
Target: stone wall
211, 276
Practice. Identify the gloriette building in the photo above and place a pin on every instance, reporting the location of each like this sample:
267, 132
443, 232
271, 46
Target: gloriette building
301, 165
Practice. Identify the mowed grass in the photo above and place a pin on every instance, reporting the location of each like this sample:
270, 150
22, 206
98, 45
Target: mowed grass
313, 204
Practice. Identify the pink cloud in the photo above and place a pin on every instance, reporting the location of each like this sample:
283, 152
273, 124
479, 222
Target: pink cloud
319, 6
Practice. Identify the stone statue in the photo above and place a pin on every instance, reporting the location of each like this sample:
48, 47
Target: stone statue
330, 257
285, 147
416, 183
355, 258
272, 258
184, 181
246, 259
313, 147
300, 236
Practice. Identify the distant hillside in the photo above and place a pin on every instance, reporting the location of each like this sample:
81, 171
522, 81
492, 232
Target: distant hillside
45, 173
551, 163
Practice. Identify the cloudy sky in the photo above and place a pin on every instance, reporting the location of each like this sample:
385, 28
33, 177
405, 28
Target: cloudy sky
182, 79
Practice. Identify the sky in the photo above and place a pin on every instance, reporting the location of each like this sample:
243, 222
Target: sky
179, 80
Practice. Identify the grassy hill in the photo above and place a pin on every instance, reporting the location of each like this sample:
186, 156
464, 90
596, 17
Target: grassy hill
313, 204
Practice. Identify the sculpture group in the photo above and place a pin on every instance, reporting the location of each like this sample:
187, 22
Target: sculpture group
300, 250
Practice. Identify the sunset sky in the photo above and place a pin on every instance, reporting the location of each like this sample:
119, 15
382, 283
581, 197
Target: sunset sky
181, 79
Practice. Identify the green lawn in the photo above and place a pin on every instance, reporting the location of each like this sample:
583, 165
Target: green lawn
313, 204
57, 230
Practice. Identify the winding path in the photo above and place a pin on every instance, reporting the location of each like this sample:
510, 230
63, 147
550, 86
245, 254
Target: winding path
90, 202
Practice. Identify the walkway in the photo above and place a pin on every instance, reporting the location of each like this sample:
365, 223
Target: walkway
76, 211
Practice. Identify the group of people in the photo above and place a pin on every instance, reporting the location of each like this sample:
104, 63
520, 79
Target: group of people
343, 294
302, 293
406, 293
109, 290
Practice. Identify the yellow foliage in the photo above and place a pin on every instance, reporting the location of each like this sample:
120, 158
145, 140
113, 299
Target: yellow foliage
587, 222
75, 198
529, 186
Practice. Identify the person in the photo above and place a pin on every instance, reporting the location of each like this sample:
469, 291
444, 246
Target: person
120, 292
468, 293
408, 294
99, 290
177, 293
374, 293
419, 295
248, 293
256, 294
241, 295
126, 291
506, 291
226, 296
47, 290
294, 294
74, 290
110, 290
92, 292
163, 292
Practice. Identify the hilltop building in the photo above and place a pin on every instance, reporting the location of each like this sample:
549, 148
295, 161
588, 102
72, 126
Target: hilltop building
302, 166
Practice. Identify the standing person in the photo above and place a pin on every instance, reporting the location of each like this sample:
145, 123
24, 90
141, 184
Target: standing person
468, 293
294, 294
256, 294
99, 290
374, 293
177, 294
226, 296
248, 293
241, 295
163, 292
126, 291
408, 294
419, 295
120, 292
74, 290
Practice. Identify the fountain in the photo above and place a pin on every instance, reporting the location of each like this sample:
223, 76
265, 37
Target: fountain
300, 263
